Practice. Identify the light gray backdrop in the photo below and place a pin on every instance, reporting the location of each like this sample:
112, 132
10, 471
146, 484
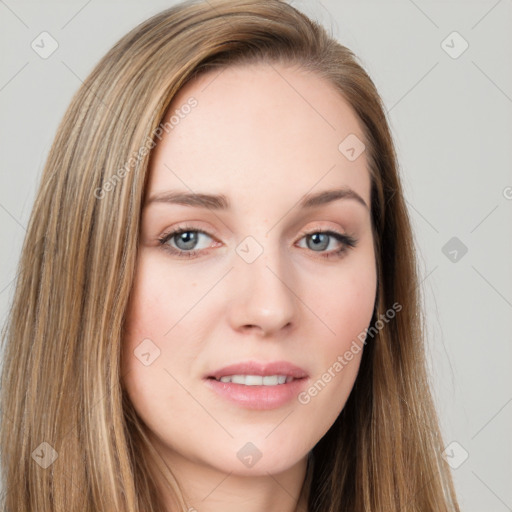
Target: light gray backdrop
444, 70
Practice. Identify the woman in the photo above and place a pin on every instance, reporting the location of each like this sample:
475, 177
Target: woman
278, 365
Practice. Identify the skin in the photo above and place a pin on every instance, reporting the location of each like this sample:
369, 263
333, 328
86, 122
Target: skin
264, 136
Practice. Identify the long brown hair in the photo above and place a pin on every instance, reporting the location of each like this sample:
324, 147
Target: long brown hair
61, 385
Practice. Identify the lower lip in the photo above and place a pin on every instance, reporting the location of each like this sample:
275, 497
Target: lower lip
258, 397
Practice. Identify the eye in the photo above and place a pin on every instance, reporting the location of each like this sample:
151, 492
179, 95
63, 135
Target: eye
185, 240
319, 241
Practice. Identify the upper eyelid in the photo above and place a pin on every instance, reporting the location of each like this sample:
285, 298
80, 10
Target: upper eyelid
173, 232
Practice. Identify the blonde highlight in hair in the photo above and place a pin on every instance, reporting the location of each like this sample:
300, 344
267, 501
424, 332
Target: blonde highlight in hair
61, 380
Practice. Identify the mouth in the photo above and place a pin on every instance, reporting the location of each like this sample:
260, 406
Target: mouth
250, 373
257, 380
254, 385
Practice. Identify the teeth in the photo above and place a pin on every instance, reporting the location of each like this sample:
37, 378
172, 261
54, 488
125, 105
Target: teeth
256, 380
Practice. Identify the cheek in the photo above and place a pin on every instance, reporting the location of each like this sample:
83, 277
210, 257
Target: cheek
160, 315
146, 350
157, 304
344, 300
143, 345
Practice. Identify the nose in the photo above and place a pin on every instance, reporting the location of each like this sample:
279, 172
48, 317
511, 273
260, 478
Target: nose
262, 296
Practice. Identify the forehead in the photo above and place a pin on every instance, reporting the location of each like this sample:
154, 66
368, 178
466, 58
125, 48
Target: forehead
256, 131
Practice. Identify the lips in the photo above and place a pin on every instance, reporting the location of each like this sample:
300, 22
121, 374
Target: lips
282, 368
258, 386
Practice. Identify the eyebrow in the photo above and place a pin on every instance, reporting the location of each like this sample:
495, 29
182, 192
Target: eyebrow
221, 202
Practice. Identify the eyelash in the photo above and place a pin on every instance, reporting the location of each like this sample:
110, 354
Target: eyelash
347, 242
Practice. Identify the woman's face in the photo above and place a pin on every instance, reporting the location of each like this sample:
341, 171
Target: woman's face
252, 280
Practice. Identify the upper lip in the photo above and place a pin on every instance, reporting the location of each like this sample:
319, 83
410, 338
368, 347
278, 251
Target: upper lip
262, 369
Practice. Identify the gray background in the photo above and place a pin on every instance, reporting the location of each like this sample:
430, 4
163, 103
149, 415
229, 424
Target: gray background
452, 123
